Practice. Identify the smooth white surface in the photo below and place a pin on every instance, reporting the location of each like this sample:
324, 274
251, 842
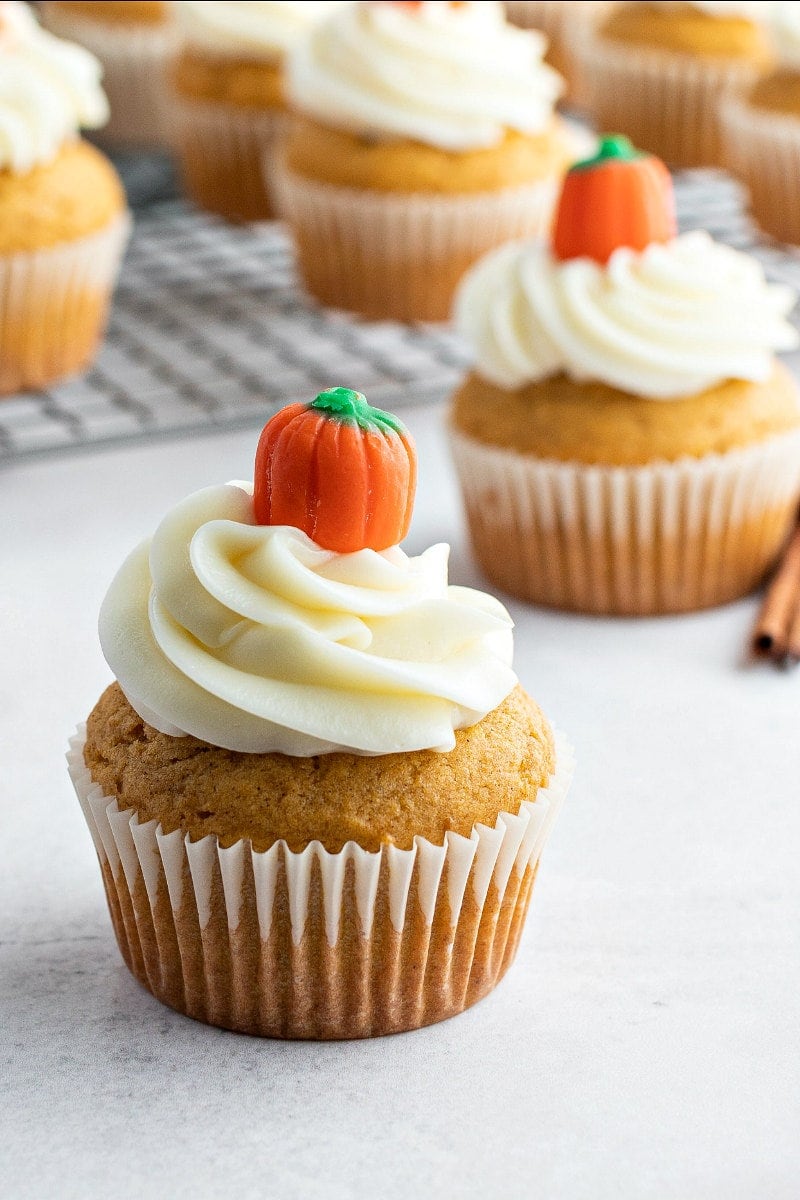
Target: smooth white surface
645, 1045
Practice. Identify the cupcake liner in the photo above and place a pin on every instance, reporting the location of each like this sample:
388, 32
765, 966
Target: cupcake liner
763, 149
401, 255
668, 537
666, 103
135, 59
313, 944
227, 155
557, 19
54, 304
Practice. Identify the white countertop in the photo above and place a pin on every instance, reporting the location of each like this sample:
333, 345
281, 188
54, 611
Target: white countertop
645, 1045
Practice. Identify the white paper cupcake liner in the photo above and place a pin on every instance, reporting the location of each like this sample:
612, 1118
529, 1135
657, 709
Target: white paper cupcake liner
54, 304
763, 149
227, 156
135, 61
669, 537
666, 103
398, 255
313, 944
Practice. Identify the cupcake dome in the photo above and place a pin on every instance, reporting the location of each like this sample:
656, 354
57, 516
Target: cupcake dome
425, 135
62, 209
317, 790
626, 435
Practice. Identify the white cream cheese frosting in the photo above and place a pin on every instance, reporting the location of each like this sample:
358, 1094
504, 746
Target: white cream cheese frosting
669, 321
49, 90
253, 638
452, 76
786, 31
249, 29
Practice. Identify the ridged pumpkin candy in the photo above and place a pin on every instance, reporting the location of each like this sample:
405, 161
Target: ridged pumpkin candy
619, 197
343, 472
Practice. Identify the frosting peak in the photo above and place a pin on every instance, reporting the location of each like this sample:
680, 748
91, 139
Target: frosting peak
253, 638
669, 321
49, 89
453, 76
257, 29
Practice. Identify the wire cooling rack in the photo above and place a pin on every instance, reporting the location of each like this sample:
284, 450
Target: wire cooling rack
209, 330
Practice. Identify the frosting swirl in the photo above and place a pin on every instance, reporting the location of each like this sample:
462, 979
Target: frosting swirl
786, 30
672, 320
251, 29
453, 76
49, 89
254, 639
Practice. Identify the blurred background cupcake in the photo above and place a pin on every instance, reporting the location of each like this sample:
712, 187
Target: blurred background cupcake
626, 442
657, 72
135, 41
425, 134
558, 20
761, 133
230, 97
63, 219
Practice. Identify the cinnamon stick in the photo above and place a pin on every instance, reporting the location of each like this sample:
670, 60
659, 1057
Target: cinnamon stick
777, 631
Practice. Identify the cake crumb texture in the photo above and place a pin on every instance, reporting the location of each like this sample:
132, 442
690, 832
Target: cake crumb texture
335, 798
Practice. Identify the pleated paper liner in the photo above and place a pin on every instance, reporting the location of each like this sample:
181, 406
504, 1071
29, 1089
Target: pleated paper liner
54, 305
135, 62
226, 155
400, 256
663, 538
312, 944
665, 103
763, 149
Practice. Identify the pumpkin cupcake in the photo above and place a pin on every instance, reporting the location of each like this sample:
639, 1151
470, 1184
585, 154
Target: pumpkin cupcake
230, 97
627, 442
134, 40
425, 135
761, 134
317, 791
559, 21
63, 222
658, 71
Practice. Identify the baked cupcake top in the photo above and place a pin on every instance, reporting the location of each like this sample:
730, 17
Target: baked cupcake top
251, 30
283, 616
748, 10
455, 76
49, 90
619, 298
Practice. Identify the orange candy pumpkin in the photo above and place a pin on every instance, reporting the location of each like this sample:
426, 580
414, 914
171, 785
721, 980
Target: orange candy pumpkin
343, 472
621, 197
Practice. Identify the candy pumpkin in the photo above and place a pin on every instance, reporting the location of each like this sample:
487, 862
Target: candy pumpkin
619, 197
343, 472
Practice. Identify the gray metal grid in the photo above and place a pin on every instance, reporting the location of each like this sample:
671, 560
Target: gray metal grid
209, 330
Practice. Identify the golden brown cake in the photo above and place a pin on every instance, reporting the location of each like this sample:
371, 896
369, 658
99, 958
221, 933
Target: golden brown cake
318, 795
658, 74
392, 191
113, 12
626, 442
63, 220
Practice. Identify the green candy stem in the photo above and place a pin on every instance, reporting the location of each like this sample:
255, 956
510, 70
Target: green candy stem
614, 147
343, 404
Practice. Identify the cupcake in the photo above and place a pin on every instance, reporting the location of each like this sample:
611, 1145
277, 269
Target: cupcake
134, 40
317, 791
63, 221
230, 98
559, 20
761, 134
425, 136
626, 442
658, 72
